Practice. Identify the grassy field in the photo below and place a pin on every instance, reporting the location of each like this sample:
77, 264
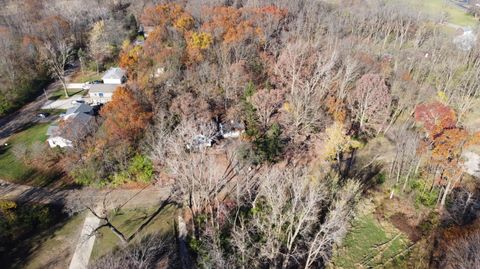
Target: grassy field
60, 93
439, 8
17, 171
56, 249
128, 221
369, 244
82, 77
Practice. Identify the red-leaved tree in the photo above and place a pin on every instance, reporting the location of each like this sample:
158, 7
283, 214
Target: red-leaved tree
125, 117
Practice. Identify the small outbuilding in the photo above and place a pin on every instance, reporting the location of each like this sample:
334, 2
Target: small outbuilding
101, 93
114, 75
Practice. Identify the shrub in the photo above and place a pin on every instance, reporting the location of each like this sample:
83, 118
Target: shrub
142, 168
424, 196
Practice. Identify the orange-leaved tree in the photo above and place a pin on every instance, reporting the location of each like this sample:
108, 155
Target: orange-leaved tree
129, 58
445, 142
125, 117
229, 25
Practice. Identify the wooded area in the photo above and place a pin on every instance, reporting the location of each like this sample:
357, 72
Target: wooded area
274, 122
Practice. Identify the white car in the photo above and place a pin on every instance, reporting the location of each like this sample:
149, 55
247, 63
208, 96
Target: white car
79, 101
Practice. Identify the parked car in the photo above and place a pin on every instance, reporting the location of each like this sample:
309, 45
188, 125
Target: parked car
43, 115
74, 102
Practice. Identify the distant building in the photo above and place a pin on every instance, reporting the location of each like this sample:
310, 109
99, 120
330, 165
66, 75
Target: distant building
114, 75
466, 40
101, 93
69, 130
231, 129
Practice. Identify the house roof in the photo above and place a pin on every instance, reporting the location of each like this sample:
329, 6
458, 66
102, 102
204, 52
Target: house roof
52, 130
102, 88
114, 73
79, 108
75, 127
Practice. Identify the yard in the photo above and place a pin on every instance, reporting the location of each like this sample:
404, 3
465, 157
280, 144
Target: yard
59, 94
55, 249
38, 236
127, 221
82, 77
371, 244
17, 171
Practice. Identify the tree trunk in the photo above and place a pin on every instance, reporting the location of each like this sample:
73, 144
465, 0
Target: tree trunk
64, 85
182, 234
445, 193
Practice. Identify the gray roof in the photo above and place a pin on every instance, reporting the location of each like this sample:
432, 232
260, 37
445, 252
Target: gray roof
52, 130
79, 108
105, 88
73, 128
114, 73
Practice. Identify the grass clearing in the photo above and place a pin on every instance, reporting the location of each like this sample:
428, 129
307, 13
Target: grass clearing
370, 244
82, 77
437, 8
17, 171
56, 249
128, 221
60, 94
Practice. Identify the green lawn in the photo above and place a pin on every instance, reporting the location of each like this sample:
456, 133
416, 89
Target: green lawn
17, 171
82, 77
60, 93
56, 249
369, 245
439, 7
127, 221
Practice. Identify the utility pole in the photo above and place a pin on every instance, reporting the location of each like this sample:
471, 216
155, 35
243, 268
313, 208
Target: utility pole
45, 92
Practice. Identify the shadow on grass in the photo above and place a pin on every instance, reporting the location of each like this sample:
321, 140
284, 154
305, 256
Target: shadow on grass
18, 252
60, 94
40, 178
10, 131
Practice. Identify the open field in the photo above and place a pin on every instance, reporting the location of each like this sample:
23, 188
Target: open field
42, 237
60, 94
82, 77
17, 171
56, 248
370, 244
442, 8
127, 221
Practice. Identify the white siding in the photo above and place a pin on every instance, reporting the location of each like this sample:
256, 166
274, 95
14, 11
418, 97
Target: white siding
101, 98
112, 81
58, 141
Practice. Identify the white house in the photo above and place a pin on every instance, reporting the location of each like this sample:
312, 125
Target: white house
69, 130
101, 93
114, 75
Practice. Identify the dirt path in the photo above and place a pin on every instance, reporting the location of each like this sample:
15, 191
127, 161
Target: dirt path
76, 200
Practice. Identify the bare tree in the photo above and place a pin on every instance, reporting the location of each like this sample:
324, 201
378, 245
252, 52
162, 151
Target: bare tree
463, 252
370, 101
267, 102
142, 255
285, 229
57, 55
200, 176
305, 73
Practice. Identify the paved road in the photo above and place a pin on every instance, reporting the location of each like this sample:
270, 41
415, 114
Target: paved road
76, 200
